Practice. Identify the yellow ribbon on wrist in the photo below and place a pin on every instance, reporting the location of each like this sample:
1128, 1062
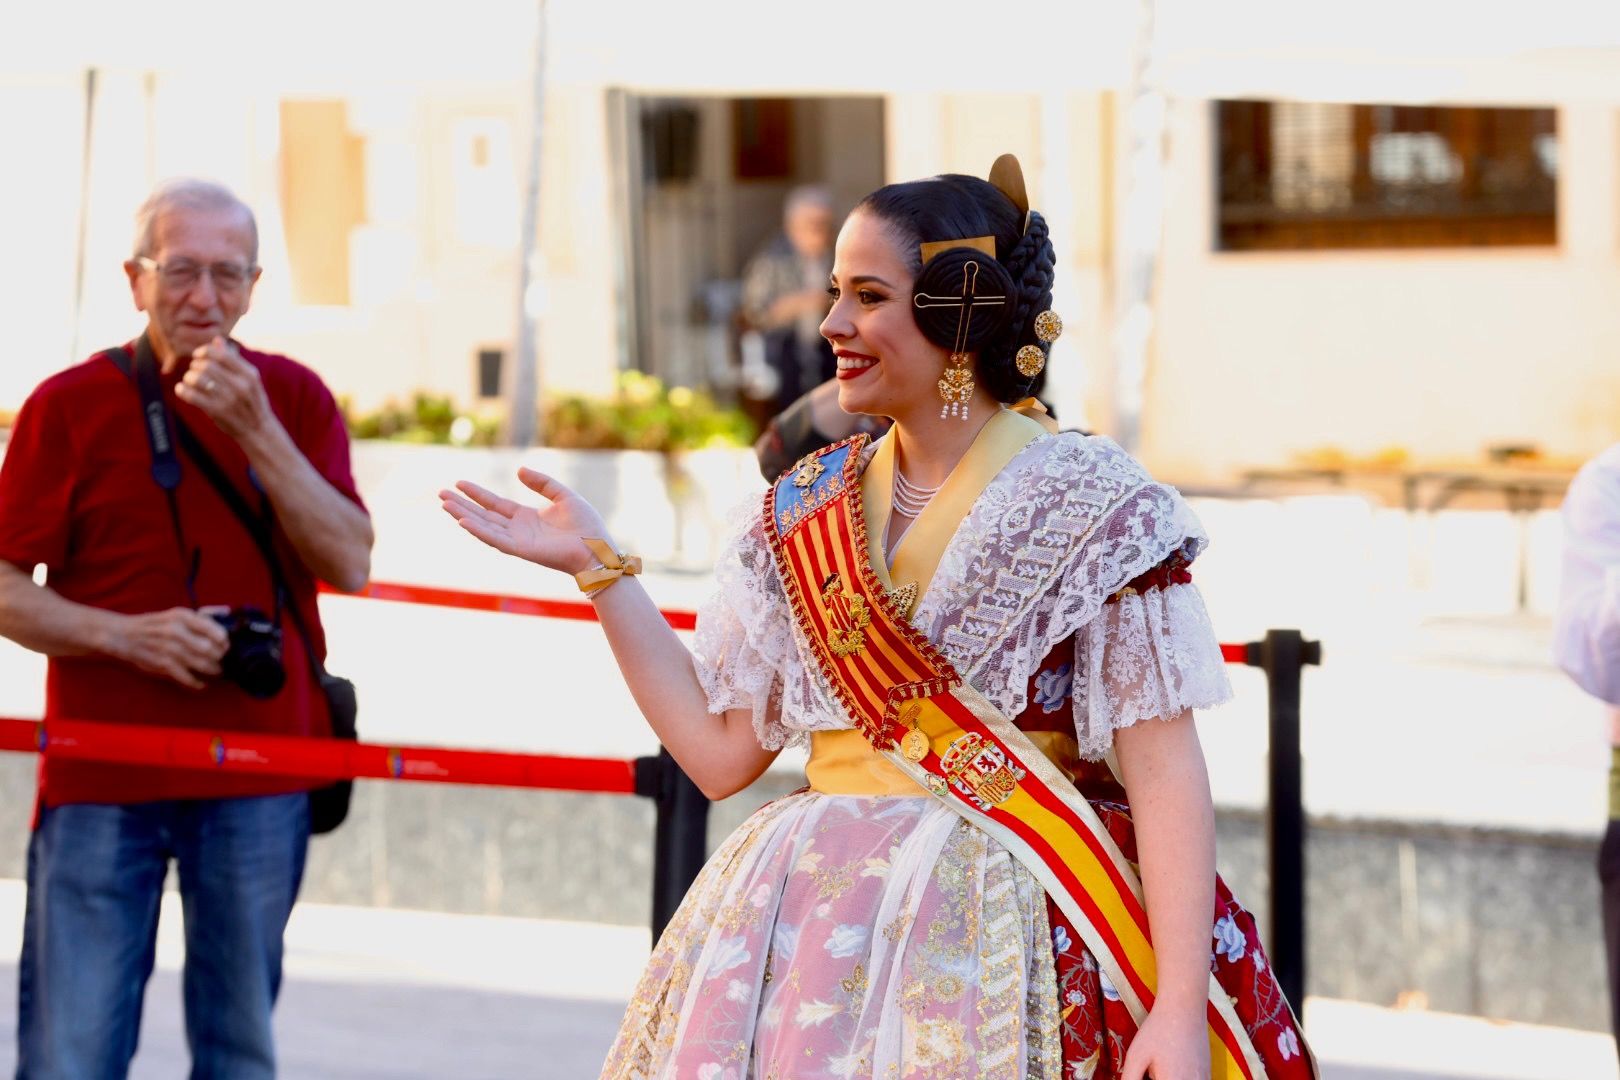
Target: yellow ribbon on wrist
615, 564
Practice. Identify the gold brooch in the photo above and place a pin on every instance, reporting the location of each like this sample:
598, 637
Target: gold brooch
808, 473
904, 597
847, 617
1048, 325
1030, 360
913, 744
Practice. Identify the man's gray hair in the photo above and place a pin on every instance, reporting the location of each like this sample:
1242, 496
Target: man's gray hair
190, 193
814, 196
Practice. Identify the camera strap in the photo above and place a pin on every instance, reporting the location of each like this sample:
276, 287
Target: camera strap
164, 429
260, 526
156, 421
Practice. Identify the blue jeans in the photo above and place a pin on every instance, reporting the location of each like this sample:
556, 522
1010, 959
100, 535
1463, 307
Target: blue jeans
95, 875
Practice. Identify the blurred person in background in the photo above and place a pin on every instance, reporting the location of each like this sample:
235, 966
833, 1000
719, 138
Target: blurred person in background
967, 621
784, 296
1586, 644
143, 578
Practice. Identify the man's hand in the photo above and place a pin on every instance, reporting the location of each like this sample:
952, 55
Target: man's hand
227, 388
180, 644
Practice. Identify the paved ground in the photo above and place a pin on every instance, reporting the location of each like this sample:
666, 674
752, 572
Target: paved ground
375, 994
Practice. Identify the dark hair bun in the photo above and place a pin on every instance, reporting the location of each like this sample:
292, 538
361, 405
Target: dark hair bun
936, 302
1031, 264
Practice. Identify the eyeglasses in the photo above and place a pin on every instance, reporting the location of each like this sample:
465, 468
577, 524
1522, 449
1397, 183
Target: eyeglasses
182, 274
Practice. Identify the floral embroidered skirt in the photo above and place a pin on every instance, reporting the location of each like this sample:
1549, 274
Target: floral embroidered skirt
853, 937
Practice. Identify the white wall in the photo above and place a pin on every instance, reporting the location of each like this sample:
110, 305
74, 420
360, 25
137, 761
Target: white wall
1261, 355
41, 119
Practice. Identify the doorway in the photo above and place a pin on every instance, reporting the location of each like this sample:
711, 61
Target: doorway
704, 180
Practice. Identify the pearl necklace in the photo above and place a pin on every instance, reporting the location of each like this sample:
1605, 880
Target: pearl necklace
909, 499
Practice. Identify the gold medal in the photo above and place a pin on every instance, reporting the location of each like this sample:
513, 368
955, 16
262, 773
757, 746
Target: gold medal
914, 745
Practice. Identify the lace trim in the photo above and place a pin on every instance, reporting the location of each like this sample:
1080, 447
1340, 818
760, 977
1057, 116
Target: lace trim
1070, 521
1150, 654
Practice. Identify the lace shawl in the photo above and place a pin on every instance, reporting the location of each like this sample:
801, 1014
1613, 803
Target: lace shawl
1061, 529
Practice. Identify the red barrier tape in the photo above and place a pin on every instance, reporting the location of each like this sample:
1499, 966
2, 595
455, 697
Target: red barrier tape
509, 605
328, 759
311, 759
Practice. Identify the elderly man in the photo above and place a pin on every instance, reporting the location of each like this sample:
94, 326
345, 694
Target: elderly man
785, 295
1586, 644
136, 571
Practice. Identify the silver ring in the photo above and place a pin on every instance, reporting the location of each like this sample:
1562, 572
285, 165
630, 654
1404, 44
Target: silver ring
208, 385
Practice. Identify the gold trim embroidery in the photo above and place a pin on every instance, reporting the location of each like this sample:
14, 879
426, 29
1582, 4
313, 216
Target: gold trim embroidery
904, 597
847, 617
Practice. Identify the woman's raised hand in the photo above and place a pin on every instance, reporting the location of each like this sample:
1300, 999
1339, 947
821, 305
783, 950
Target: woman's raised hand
548, 535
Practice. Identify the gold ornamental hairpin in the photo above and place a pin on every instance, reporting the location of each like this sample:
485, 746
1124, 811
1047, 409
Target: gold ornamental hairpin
1008, 177
985, 245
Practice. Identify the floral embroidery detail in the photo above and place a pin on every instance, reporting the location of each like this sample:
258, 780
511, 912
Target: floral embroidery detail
1052, 687
983, 971
847, 1066
785, 940
1229, 939
816, 1013
847, 940
939, 1042
729, 953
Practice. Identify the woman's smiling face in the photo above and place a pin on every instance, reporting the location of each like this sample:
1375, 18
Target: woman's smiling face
885, 364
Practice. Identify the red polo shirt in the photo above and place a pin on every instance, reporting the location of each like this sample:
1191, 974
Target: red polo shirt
77, 494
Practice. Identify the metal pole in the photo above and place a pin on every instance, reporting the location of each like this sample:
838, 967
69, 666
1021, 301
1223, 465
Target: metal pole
523, 382
1283, 655
680, 834
84, 212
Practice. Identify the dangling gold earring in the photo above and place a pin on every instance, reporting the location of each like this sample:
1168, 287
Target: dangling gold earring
956, 384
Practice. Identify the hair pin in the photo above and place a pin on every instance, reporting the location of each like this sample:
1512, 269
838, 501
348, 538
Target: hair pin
985, 245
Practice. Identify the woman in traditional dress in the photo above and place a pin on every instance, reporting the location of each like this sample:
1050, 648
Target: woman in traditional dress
986, 632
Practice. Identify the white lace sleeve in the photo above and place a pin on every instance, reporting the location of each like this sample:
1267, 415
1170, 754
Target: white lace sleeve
744, 635
1149, 654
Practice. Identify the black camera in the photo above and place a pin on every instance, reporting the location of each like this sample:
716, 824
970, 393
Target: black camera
253, 660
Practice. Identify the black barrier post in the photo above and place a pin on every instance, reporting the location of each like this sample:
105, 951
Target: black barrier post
1282, 656
680, 834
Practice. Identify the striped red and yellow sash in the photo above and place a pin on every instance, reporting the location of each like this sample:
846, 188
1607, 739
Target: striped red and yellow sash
915, 710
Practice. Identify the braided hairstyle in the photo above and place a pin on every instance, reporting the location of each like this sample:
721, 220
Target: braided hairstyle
955, 207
